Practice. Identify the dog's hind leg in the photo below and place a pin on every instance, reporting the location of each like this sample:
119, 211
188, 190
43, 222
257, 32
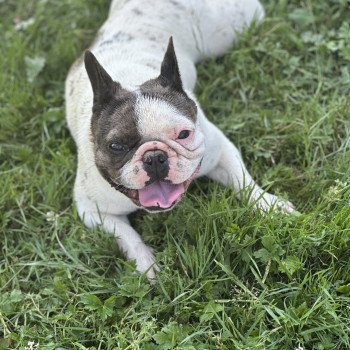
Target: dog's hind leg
217, 23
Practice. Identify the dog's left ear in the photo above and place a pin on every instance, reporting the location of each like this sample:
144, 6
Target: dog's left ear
169, 72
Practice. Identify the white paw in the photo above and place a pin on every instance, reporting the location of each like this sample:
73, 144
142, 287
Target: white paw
145, 262
266, 201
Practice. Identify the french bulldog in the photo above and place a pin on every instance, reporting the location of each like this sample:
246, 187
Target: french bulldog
142, 137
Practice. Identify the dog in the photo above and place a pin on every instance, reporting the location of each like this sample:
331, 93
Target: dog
141, 135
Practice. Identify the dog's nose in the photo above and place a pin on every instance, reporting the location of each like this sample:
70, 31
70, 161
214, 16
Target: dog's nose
156, 165
154, 157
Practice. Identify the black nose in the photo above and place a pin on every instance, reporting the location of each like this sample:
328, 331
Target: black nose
156, 165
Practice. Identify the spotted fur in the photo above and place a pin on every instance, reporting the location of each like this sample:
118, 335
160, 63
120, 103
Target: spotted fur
144, 101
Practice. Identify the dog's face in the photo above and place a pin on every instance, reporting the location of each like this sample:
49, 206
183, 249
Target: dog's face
147, 143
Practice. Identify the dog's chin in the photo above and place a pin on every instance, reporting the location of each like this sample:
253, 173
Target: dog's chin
159, 196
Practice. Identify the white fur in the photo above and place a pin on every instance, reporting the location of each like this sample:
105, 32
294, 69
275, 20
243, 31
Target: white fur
200, 29
158, 120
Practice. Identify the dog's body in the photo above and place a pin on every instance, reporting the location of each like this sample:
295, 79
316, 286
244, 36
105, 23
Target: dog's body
159, 119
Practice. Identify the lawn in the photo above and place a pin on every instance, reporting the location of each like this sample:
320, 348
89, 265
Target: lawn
230, 278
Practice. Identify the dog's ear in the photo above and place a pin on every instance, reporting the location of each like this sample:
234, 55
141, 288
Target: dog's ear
103, 86
169, 72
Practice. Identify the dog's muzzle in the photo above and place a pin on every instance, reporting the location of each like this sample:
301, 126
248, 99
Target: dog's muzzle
157, 192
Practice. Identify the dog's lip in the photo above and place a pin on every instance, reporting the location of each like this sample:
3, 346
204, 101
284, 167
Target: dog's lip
133, 194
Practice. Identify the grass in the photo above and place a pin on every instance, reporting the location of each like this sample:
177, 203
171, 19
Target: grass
230, 279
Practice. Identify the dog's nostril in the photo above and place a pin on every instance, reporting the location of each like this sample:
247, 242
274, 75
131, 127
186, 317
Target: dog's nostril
162, 158
147, 158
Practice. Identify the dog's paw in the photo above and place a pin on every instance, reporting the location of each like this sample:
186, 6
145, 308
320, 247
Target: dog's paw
145, 262
266, 202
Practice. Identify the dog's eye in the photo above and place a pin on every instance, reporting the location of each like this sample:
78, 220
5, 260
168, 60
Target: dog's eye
184, 134
115, 146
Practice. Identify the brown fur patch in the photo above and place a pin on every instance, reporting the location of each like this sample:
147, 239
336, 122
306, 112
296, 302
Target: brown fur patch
115, 122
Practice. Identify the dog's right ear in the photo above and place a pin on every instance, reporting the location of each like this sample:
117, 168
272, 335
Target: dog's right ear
103, 86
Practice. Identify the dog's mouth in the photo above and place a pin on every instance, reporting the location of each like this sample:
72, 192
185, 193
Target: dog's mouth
157, 196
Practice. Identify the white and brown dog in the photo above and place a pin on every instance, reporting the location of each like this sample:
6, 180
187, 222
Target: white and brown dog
141, 135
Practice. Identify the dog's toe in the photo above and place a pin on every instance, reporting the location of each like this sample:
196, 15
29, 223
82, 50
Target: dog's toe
267, 202
145, 263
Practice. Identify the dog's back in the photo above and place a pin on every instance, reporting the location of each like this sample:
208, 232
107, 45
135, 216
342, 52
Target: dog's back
203, 28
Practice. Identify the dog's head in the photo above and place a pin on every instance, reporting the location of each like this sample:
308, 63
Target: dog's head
147, 143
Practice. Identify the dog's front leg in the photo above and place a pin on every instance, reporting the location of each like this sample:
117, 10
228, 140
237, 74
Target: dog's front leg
231, 171
128, 240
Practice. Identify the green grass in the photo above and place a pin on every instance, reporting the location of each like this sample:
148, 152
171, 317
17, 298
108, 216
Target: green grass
230, 279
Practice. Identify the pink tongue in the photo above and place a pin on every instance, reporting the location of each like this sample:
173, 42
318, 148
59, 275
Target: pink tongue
160, 194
